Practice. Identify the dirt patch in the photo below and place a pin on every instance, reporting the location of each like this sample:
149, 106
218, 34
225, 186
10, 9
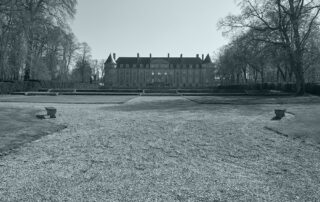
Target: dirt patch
19, 126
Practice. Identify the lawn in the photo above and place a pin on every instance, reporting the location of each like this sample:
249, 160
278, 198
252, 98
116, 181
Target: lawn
168, 149
304, 126
20, 126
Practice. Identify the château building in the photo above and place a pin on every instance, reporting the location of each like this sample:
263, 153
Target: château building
159, 72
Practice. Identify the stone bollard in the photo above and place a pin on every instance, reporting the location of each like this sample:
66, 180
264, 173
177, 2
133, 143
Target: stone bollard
280, 113
51, 111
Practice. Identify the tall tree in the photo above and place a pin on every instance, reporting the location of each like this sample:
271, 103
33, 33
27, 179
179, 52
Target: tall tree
83, 70
285, 23
43, 13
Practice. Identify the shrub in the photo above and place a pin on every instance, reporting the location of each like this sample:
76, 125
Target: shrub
313, 88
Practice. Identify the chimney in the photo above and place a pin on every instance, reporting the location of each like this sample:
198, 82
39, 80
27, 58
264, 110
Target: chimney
181, 56
114, 56
197, 55
150, 55
138, 56
168, 55
202, 57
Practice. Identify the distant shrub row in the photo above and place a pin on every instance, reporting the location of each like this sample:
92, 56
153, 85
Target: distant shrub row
18, 86
312, 88
7, 87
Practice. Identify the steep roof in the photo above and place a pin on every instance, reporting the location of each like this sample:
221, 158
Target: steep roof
207, 60
110, 60
147, 60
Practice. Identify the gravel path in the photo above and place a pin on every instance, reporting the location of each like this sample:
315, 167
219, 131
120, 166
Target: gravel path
162, 149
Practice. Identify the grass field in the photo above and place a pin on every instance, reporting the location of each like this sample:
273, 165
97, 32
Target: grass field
168, 149
20, 126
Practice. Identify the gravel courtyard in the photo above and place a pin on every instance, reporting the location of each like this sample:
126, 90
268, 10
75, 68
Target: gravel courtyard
164, 149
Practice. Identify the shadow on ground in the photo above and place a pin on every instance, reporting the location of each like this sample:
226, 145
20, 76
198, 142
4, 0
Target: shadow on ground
19, 126
304, 126
251, 100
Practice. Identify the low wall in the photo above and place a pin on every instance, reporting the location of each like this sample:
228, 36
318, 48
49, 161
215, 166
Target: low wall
64, 85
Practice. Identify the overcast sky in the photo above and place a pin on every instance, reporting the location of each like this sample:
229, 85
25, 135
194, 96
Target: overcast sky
127, 27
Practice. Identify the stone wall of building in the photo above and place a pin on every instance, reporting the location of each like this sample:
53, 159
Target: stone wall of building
158, 73
159, 78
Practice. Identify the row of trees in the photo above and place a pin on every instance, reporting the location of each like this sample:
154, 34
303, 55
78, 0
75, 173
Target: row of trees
272, 38
36, 42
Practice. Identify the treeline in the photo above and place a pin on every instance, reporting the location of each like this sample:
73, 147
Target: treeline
36, 43
273, 41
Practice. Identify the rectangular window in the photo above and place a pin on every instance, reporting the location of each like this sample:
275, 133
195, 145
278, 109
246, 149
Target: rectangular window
127, 65
121, 65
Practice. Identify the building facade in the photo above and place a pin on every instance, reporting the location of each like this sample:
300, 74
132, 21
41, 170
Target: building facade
159, 72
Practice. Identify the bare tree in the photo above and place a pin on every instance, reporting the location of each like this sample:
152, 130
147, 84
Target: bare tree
83, 66
43, 13
285, 23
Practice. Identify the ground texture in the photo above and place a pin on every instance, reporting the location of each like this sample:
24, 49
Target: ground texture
167, 149
19, 125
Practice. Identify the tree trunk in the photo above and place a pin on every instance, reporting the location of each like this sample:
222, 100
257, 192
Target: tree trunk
244, 71
297, 68
255, 75
300, 81
27, 71
262, 76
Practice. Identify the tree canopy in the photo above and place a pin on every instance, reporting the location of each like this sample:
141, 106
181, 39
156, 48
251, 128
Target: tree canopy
288, 25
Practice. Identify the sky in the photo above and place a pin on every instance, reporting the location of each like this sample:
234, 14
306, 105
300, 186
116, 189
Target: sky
159, 27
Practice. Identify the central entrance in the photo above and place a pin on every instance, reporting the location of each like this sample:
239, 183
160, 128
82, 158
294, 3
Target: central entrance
159, 77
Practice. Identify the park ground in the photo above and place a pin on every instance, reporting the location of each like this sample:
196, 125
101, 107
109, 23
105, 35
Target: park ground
122, 148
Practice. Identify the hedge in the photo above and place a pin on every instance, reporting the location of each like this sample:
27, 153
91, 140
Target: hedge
18, 86
7, 87
312, 88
